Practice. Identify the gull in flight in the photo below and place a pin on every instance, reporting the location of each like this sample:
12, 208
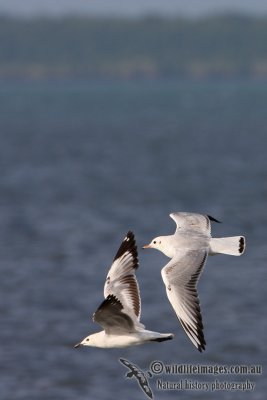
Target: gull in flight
188, 249
119, 314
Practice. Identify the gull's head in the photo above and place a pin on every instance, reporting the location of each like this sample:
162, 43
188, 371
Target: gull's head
163, 244
156, 243
88, 341
94, 340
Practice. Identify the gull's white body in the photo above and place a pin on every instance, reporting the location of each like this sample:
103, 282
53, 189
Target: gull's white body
119, 314
103, 340
188, 249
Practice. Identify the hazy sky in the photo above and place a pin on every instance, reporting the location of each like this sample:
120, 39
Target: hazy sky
131, 7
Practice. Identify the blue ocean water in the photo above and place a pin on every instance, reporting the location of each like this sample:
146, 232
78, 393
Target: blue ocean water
84, 162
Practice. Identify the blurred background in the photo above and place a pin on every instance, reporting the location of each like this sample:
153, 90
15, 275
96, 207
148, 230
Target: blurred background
112, 115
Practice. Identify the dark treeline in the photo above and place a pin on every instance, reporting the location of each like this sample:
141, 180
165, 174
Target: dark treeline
223, 46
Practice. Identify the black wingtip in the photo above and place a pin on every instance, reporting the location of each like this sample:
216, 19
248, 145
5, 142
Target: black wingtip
201, 342
213, 219
130, 234
128, 244
201, 347
110, 301
113, 300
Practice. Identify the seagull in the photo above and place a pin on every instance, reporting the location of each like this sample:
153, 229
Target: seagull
188, 249
119, 314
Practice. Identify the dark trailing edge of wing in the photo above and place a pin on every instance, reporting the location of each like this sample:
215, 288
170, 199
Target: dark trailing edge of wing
213, 219
191, 286
191, 333
128, 244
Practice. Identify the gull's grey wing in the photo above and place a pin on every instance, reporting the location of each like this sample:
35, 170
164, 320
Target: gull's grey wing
121, 281
111, 317
180, 276
193, 222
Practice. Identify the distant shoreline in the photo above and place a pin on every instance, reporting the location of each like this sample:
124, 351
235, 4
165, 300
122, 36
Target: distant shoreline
217, 47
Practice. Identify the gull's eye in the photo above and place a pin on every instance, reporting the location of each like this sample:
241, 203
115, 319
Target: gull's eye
155, 242
87, 340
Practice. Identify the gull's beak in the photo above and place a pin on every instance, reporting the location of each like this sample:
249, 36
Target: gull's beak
77, 345
146, 246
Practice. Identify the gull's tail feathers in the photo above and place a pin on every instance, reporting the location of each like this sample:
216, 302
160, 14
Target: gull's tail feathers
234, 246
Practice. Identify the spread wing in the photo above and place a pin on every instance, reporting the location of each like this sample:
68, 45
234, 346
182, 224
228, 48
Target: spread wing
111, 317
180, 276
193, 222
121, 281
